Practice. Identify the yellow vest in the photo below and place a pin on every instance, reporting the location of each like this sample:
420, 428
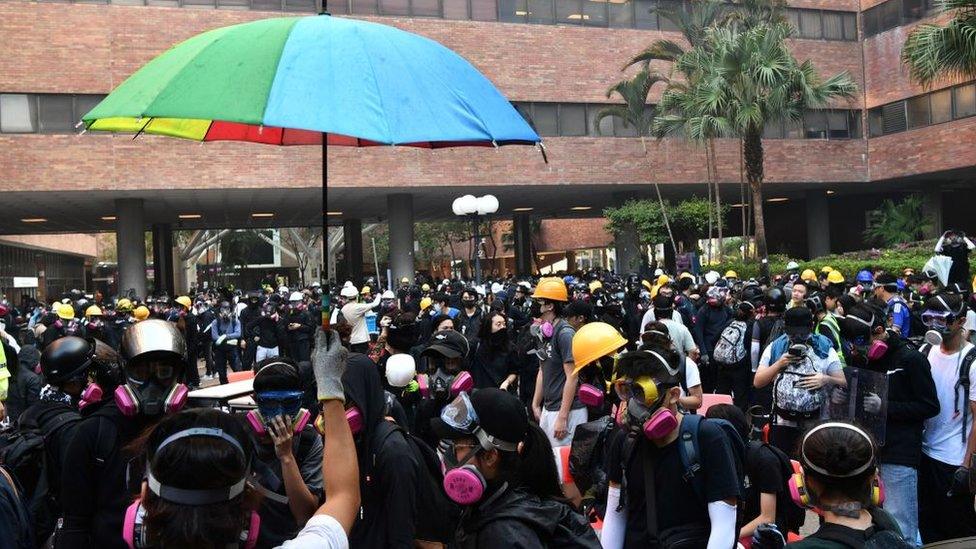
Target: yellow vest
4, 374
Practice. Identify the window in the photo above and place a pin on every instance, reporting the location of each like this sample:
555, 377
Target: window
964, 98
539, 11
484, 10
854, 123
55, 113
890, 15
509, 11
850, 26
833, 25
912, 10
301, 5
672, 7
837, 125
569, 12
425, 8
605, 126
84, 104
875, 122
622, 129
268, 5
793, 16
940, 103
595, 13
793, 129
871, 20
336, 7
199, 3
572, 119
773, 130
621, 14
364, 7
893, 117
644, 14
810, 24
18, 113
456, 9
544, 116
236, 4
918, 112
395, 7
815, 125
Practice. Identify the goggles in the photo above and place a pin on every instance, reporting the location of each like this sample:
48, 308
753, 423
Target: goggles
937, 319
279, 403
644, 390
717, 292
461, 416
144, 371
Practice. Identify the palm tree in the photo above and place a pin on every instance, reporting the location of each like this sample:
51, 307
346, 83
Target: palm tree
637, 113
934, 51
747, 77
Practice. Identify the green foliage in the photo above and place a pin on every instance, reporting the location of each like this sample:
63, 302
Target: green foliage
935, 51
894, 223
892, 260
235, 246
434, 238
689, 219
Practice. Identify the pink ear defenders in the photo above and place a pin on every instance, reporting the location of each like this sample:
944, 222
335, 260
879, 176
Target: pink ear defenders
130, 404
590, 395
464, 484
461, 382
256, 421
354, 417
93, 393
800, 492
134, 532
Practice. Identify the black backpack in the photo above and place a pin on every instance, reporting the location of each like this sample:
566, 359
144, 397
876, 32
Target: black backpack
438, 515
25, 458
792, 514
16, 530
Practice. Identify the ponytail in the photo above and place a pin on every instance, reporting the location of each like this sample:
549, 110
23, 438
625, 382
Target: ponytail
537, 471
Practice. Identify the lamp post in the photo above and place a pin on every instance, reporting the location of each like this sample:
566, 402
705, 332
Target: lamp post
475, 208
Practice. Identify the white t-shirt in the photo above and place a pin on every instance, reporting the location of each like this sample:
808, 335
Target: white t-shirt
942, 439
649, 317
829, 365
692, 376
321, 532
680, 337
970, 321
355, 314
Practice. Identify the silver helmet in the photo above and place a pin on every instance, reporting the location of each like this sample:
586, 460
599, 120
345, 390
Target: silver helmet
151, 336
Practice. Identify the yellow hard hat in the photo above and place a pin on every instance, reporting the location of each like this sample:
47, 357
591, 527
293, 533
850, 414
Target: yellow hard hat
404, 280
124, 305
595, 285
66, 311
93, 311
424, 303
647, 285
663, 279
808, 275
184, 301
425, 288
366, 290
593, 341
553, 289
827, 269
141, 312
685, 275
835, 277
731, 274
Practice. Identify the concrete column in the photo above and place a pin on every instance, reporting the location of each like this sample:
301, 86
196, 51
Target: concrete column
522, 230
399, 208
818, 224
932, 210
352, 238
162, 238
131, 245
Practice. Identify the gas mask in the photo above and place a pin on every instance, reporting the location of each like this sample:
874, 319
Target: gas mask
271, 404
152, 390
297, 306
225, 313
354, 417
717, 296
442, 384
646, 412
867, 347
535, 309
94, 325
72, 327
938, 323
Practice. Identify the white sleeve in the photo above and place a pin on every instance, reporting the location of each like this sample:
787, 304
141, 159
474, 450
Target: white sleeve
689, 342
764, 359
833, 363
938, 245
647, 319
692, 375
321, 532
614, 521
676, 316
969, 243
721, 515
972, 387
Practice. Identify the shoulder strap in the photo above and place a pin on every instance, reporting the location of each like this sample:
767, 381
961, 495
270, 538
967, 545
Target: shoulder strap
688, 449
963, 383
650, 490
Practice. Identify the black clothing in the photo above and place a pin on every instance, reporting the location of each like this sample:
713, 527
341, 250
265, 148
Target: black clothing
518, 519
490, 366
709, 323
676, 502
265, 332
959, 272
25, 385
911, 400
941, 517
388, 470
95, 493
470, 325
764, 475
299, 339
836, 536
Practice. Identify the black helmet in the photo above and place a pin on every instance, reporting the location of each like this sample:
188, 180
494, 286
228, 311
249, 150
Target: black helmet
753, 294
66, 358
775, 300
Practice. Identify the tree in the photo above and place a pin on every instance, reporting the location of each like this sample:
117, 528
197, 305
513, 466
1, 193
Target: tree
235, 247
748, 78
895, 223
637, 113
936, 51
688, 221
302, 244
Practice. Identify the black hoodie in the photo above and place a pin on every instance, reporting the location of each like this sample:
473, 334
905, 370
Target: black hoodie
911, 400
388, 469
519, 519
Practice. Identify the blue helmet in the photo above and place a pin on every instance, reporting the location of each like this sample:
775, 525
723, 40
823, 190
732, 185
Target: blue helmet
865, 276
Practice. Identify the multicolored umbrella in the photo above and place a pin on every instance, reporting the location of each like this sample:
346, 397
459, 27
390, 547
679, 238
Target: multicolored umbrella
293, 80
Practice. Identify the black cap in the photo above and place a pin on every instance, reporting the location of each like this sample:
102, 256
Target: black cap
448, 343
66, 358
798, 322
887, 280
500, 414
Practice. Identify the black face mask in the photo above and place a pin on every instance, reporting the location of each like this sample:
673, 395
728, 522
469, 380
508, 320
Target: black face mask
469, 303
500, 337
535, 309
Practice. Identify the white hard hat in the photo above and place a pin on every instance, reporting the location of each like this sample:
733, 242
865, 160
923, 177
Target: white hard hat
712, 277
792, 265
316, 284
349, 284
496, 287
658, 272
446, 282
480, 289
295, 296
283, 289
349, 291
388, 295
400, 370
